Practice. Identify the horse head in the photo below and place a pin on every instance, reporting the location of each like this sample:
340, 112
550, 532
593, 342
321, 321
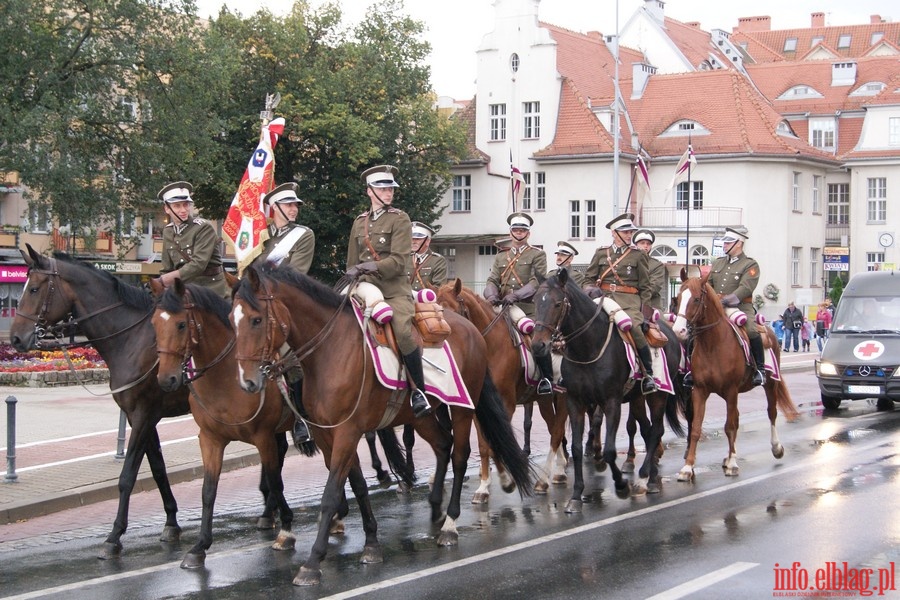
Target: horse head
176, 332
465, 302
551, 307
697, 303
46, 299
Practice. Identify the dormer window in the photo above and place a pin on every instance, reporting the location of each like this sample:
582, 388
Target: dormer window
844, 41
799, 91
784, 128
876, 37
790, 45
869, 89
817, 39
685, 127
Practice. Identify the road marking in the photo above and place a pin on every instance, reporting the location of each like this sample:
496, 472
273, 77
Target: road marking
87, 435
689, 587
93, 456
814, 460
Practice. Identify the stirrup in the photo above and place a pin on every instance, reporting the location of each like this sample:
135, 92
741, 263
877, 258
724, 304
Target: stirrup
300, 433
544, 387
419, 403
759, 378
649, 385
688, 380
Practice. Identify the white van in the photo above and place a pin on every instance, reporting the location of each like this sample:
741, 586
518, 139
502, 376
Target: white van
861, 356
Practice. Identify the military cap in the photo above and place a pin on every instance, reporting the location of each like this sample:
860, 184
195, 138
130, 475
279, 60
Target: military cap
284, 193
382, 176
644, 234
520, 220
732, 235
178, 191
624, 222
565, 248
421, 230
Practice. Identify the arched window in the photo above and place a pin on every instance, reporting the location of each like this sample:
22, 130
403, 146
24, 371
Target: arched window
664, 254
699, 255
514, 62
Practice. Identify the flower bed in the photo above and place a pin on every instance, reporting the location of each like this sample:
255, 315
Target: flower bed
39, 368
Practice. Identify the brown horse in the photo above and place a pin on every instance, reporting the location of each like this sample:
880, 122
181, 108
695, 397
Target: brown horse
508, 374
344, 399
719, 366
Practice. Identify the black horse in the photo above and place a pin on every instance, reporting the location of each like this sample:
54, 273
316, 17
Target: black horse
596, 373
115, 317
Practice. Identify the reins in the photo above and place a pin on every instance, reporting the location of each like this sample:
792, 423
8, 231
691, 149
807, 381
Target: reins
561, 340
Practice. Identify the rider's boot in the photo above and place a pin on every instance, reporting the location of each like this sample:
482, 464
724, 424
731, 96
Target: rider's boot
756, 349
545, 366
300, 432
648, 384
688, 380
413, 362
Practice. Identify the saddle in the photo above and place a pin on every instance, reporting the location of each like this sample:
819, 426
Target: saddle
655, 337
429, 320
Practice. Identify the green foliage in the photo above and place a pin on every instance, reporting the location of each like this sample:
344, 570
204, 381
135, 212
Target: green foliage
837, 289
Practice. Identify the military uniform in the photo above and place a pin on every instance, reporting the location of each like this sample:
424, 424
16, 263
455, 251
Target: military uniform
658, 277
623, 274
428, 270
192, 249
576, 276
515, 268
299, 256
737, 275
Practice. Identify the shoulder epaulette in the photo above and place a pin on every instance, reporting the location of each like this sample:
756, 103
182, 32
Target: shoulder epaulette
199, 221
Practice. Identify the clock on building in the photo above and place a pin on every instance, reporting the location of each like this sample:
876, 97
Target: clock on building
886, 240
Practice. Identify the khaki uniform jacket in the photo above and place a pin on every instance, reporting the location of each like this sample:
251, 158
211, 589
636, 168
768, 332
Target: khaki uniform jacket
390, 235
528, 264
300, 256
632, 270
659, 276
737, 275
193, 252
431, 273
576, 276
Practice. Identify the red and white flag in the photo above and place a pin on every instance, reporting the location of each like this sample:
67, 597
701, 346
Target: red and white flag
516, 181
642, 171
684, 166
245, 228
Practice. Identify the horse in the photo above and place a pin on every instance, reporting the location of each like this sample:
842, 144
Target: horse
115, 318
596, 371
719, 366
507, 371
344, 399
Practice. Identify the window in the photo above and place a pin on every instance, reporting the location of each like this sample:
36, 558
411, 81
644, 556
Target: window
790, 44
531, 125
816, 195
39, 217
795, 191
795, 265
128, 109
844, 41
487, 250
815, 277
838, 203
664, 254
699, 255
682, 197
526, 191
498, 122
817, 39
894, 131
574, 219
876, 37
876, 195
874, 261
821, 133
462, 193
126, 223
590, 219
540, 190
514, 62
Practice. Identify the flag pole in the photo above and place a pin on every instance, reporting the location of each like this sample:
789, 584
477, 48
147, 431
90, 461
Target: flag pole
687, 225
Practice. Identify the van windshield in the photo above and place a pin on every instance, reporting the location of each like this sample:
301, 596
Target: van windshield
867, 314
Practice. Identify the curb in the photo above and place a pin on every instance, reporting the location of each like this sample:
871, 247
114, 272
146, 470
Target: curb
100, 492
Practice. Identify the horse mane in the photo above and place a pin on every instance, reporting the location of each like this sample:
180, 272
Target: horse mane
715, 305
203, 298
318, 292
130, 295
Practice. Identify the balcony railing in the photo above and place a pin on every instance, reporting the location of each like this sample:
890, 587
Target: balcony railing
713, 217
9, 237
103, 242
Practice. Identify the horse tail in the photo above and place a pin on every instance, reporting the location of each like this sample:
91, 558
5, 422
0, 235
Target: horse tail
395, 456
308, 448
784, 402
498, 433
674, 410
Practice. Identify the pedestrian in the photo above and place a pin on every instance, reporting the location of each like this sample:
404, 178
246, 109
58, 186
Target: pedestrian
807, 333
429, 269
793, 323
823, 325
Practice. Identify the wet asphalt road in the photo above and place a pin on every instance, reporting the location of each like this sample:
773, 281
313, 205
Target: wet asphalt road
779, 525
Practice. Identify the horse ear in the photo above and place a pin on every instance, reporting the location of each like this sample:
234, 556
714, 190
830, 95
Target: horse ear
33, 257
562, 276
457, 286
684, 274
253, 276
179, 286
231, 280
156, 287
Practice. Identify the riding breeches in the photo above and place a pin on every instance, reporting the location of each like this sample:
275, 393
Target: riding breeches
750, 326
404, 310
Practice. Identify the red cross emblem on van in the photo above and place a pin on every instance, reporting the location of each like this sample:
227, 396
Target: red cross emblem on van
868, 350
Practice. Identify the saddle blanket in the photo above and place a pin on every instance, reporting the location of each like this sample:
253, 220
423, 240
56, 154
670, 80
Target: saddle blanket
532, 373
660, 368
442, 378
768, 355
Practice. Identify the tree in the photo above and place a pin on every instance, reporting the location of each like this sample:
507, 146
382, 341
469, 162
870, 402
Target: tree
837, 290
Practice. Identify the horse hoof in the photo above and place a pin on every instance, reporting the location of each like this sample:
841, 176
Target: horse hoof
599, 465
284, 541
265, 523
337, 527
403, 488
559, 479
639, 488
526, 449
193, 560
731, 472
573, 507
308, 577
385, 481
623, 491
653, 488
509, 488
778, 451
371, 555
170, 533
686, 474
480, 498
541, 487
110, 550
448, 538
628, 466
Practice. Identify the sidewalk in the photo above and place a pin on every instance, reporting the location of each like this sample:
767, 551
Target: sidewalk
66, 440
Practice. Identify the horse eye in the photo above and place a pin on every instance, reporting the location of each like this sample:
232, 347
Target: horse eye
256, 321
34, 290
182, 325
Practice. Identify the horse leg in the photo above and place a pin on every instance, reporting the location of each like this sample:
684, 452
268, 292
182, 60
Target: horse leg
383, 477
272, 460
409, 440
636, 405
372, 552
576, 421
438, 435
483, 493
526, 425
212, 451
613, 413
652, 432
461, 449
171, 530
267, 519
773, 389
554, 414
594, 443
695, 429
732, 421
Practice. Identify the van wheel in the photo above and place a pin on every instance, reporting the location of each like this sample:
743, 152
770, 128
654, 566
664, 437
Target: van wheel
885, 404
830, 402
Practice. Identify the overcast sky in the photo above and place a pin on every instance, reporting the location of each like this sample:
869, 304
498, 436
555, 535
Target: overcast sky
455, 27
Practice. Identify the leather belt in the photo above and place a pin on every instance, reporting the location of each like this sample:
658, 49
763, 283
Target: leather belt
212, 271
621, 289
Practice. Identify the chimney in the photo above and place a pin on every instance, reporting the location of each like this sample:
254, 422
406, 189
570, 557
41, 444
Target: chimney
656, 9
595, 35
817, 20
748, 24
876, 19
641, 73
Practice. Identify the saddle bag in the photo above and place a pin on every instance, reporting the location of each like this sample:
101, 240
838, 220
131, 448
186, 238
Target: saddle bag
655, 337
430, 322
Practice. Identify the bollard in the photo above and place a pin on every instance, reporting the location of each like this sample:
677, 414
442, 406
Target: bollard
120, 441
11, 439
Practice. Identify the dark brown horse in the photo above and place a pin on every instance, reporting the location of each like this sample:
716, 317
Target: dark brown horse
344, 399
597, 374
508, 374
720, 367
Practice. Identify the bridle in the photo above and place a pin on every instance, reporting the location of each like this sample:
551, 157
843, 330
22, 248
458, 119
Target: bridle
464, 312
559, 340
694, 329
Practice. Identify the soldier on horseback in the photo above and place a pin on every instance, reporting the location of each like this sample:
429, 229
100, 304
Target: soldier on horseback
621, 271
565, 254
379, 253
429, 269
514, 280
644, 240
